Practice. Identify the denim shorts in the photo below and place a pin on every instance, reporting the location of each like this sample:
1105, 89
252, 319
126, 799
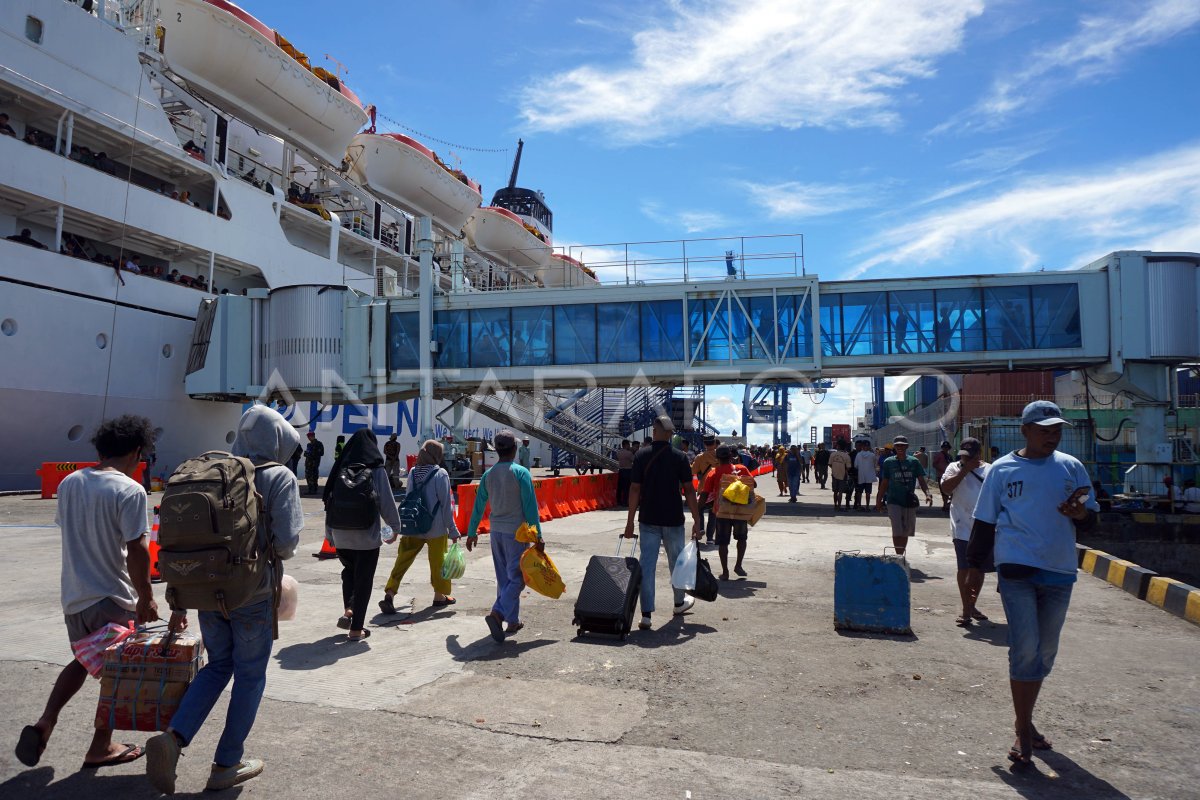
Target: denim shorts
1036, 613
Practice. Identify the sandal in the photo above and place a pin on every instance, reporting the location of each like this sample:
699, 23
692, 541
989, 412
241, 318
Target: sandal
512, 629
132, 752
30, 746
344, 623
979, 615
493, 623
363, 634
449, 601
962, 622
1017, 757
1041, 742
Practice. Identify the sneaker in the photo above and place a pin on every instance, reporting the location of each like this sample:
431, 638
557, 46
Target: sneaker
644, 625
162, 756
685, 606
225, 777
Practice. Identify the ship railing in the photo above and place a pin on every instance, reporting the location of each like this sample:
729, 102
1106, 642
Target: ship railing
701, 259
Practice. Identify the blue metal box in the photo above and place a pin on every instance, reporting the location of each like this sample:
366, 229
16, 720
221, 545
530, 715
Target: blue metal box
871, 593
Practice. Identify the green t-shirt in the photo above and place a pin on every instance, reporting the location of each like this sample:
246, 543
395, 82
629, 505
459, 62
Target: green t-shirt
902, 478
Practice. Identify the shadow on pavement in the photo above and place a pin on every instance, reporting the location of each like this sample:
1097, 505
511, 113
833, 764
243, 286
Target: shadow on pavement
38, 783
740, 588
995, 633
410, 618
902, 638
486, 649
1064, 779
919, 576
321, 653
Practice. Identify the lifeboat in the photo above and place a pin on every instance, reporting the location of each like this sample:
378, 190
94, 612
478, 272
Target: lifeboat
564, 271
501, 234
410, 174
252, 71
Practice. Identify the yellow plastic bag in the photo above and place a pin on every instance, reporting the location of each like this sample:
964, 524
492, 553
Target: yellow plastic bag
526, 533
737, 492
540, 574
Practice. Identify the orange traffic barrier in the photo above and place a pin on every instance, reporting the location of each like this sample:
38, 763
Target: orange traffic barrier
587, 496
597, 495
53, 472
540, 489
575, 494
551, 486
564, 501
466, 504
155, 575
327, 551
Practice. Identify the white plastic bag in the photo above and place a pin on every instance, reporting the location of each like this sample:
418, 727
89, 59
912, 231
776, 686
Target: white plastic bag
289, 598
684, 574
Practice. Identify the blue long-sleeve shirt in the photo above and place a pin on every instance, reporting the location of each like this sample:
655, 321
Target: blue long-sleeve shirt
508, 487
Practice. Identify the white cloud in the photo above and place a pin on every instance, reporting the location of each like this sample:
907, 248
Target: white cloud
827, 63
688, 220
1096, 50
797, 200
1152, 203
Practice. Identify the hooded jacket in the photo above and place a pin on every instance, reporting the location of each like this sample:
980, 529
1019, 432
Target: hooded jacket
264, 435
364, 449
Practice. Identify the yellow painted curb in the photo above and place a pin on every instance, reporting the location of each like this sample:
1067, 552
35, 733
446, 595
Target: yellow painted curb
1157, 593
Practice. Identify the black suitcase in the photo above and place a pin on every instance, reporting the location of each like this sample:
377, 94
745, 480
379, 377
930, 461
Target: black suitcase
608, 595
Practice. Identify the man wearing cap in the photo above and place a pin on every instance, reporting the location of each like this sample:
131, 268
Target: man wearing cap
941, 459
962, 480
523, 456
1031, 504
659, 473
508, 488
899, 477
700, 467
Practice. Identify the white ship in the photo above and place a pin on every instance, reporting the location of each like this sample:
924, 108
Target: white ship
164, 151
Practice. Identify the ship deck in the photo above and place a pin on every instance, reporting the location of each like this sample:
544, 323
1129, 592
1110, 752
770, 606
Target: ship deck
753, 696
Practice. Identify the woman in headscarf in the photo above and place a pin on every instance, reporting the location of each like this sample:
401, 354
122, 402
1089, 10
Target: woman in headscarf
433, 482
358, 547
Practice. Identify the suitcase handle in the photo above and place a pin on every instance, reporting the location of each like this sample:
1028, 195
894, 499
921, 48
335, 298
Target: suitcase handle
621, 541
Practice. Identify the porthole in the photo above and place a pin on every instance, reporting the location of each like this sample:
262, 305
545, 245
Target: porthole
33, 29
75, 433
9, 327
229, 437
101, 341
166, 351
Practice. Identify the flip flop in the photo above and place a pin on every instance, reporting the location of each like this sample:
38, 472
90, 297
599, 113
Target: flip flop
979, 615
30, 746
131, 753
494, 626
512, 629
1017, 757
449, 601
1041, 742
962, 622
366, 634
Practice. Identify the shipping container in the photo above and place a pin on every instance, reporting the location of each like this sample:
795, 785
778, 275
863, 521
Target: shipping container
1003, 393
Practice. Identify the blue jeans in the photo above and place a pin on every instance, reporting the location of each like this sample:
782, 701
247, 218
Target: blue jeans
238, 648
1036, 613
506, 557
653, 538
794, 484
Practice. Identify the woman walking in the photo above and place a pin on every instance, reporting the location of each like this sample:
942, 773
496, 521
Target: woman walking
357, 494
433, 482
781, 470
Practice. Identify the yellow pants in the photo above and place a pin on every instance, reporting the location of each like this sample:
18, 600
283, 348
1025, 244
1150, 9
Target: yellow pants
407, 550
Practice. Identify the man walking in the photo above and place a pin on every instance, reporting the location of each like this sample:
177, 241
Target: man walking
700, 467
1031, 506
865, 465
312, 461
238, 643
105, 572
391, 461
962, 480
805, 464
941, 460
508, 488
898, 481
624, 470
821, 464
730, 529
524, 458
840, 465
659, 473
923, 459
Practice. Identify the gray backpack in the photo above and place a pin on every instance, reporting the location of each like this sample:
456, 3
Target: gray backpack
208, 534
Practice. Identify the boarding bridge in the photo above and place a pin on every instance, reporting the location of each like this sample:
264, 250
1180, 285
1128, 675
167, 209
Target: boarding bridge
1125, 318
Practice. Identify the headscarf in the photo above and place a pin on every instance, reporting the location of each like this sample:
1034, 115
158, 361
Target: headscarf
363, 448
431, 453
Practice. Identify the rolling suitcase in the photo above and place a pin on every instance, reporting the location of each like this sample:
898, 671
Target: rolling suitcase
608, 595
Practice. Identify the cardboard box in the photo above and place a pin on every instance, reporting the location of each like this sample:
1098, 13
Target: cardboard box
148, 656
134, 704
750, 512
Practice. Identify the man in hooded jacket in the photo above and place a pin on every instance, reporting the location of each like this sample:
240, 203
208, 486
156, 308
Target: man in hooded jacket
238, 647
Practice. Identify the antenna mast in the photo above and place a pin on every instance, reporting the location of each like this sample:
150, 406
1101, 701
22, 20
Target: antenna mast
512, 180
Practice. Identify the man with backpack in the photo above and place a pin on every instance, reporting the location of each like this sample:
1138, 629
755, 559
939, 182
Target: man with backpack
312, 461
256, 507
105, 572
508, 488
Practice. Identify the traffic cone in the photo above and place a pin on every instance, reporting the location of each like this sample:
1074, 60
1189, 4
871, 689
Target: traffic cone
327, 551
155, 575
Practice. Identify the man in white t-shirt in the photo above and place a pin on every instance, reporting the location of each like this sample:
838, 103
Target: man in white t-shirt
962, 481
865, 464
1191, 497
105, 571
1031, 506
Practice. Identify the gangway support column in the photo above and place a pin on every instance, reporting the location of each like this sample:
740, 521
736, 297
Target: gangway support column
425, 325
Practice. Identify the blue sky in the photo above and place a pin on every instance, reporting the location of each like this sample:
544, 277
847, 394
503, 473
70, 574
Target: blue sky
901, 138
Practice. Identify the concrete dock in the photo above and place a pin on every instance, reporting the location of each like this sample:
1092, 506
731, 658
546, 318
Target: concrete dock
752, 696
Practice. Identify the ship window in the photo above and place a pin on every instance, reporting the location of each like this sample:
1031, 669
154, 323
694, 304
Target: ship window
75, 434
33, 29
101, 341
8, 327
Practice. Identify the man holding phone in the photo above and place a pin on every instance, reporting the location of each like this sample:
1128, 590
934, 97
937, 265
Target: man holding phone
1030, 506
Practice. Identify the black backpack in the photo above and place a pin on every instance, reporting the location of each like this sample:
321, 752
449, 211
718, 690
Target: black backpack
416, 518
352, 504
